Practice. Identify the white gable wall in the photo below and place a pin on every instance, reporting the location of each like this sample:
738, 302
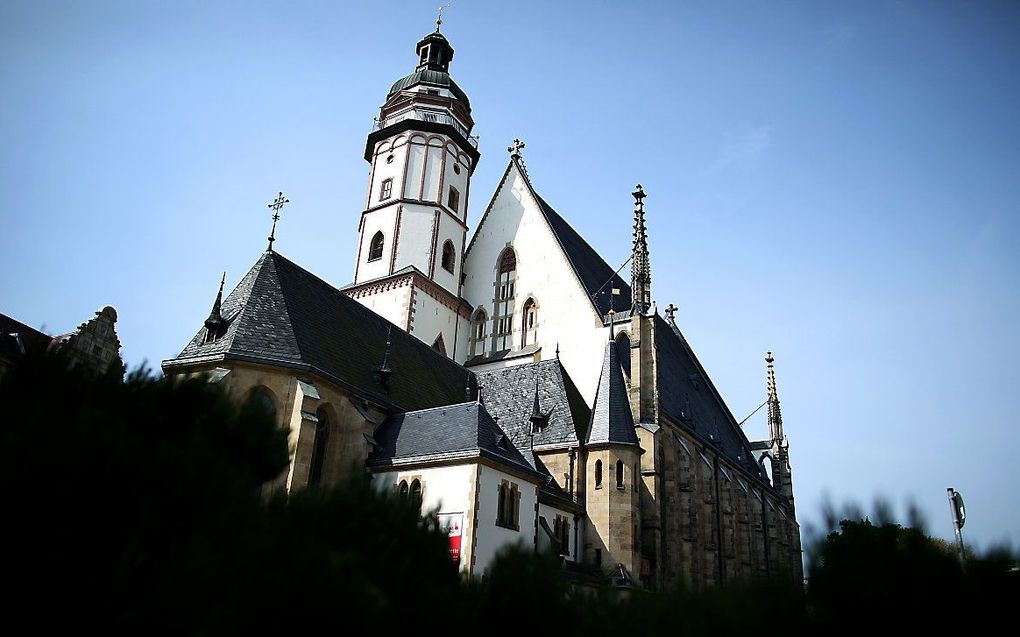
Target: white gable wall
493, 538
565, 314
445, 490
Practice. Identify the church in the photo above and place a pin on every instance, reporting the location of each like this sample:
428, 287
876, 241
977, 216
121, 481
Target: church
508, 380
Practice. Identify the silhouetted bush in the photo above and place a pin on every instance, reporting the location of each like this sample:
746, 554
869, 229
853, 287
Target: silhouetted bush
133, 506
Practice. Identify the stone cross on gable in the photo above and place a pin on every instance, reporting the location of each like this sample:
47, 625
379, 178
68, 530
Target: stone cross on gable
671, 313
515, 148
276, 207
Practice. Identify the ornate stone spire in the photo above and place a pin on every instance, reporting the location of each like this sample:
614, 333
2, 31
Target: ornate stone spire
640, 267
215, 324
775, 414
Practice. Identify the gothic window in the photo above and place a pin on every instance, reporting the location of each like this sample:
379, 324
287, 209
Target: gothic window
623, 351
319, 447
561, 529
416, 494
684, 470
529, 323
449, 256
439, 345
477, 336
508, 505
402, 489
619, 475
503, 316
387, 189
598, 474
376, 247
453, 200
501, 504
261, 397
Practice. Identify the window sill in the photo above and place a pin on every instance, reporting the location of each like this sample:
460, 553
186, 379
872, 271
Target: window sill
374, 260
508, 527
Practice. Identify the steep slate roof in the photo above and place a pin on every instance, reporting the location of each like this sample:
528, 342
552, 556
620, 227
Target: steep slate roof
591, 269
509, 394
32, 340
611, 419
280, 314
688, 397
455, 431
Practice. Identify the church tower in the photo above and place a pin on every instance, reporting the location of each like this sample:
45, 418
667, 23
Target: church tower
413, 229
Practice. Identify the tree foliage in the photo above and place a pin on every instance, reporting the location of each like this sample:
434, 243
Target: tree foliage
133, 506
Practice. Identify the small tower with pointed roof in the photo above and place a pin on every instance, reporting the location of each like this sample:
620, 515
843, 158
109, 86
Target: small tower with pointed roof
612, 476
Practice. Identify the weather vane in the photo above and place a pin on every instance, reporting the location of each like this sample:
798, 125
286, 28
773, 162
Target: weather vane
439, 20
276, 206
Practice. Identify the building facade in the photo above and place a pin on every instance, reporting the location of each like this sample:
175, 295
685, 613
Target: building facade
513, 384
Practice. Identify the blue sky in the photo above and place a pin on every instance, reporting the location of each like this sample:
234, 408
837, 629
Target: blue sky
837, 182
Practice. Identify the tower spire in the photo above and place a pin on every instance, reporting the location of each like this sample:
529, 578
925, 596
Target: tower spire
215, 323
640, 267
775, 414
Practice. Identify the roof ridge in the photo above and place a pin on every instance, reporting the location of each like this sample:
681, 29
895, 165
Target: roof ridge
488, 207
437, 408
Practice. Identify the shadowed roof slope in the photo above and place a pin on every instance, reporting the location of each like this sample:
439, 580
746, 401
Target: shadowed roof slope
280, 314
611, 420
688, 397
591, 269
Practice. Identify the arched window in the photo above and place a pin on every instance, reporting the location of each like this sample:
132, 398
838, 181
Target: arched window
623, 351
402, 489
619, 474
598, 474
477, 336
376, 247
529, 323
416, 494
501, 505
319, 447
503, 315
261, 397
449, 257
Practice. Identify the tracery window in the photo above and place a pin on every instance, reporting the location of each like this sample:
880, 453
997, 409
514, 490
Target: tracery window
503, 316
376, 247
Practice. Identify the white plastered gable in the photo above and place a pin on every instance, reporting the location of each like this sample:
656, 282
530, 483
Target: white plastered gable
566, 317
